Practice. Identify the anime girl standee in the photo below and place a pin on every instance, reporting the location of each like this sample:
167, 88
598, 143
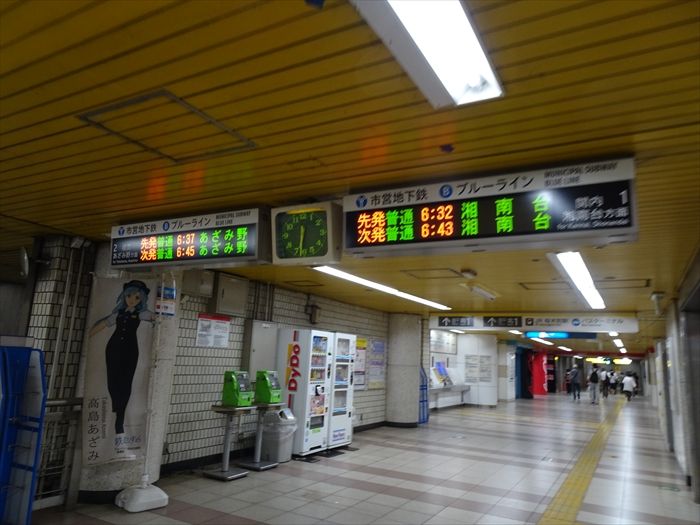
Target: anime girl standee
122, 351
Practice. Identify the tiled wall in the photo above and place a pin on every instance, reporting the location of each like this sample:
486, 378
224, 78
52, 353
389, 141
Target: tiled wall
46, 309
43, 326
194, 431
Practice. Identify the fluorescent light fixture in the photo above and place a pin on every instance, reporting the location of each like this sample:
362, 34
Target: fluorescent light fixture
572, 267
613, 334
542, 341
598, 360
515, 332
564, 348
622, 361
382, 288
457, 331
618, 343
480, 290
623, 350
578, 357
436, 45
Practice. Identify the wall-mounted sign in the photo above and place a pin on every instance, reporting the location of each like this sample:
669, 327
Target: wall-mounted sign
592, 200
207, 240
538, 322
562, 335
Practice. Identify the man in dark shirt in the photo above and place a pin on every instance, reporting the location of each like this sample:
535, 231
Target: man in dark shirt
575, 376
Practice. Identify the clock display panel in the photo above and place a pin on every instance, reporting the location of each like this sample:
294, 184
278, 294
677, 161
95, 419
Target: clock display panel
301, 233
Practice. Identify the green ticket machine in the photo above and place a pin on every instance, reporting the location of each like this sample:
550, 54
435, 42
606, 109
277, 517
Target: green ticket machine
237, 391
267, 387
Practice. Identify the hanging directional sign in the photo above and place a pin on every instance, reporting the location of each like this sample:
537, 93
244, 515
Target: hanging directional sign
205, 240
590, 200
539, 322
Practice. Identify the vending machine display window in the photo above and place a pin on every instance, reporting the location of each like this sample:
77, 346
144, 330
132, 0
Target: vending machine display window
340, 402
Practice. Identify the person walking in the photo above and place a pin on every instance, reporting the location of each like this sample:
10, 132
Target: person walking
575, 376
604, 383
612, 378
593, 380
628, 385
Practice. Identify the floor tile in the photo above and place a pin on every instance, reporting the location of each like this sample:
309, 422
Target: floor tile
408, 517
467, 465
351, 517
389, 501
317, 510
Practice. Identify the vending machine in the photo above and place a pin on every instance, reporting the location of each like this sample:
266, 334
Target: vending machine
342, 364
304, 359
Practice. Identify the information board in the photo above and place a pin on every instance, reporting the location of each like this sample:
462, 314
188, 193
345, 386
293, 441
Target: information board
572, 201
214, 238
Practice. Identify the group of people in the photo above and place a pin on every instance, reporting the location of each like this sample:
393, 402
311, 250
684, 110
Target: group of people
600, 380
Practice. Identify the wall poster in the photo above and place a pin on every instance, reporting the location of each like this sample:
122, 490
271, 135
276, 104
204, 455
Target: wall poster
213, 330
360, 371
377, 364
443, 342
485, 369
119, 350
471, 369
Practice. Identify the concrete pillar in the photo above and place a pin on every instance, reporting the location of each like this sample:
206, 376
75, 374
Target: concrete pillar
402, 373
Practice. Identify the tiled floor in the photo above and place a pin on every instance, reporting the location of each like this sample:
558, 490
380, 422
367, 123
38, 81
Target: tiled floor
468, 465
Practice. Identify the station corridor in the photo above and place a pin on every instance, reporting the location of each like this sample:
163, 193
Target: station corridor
547, 460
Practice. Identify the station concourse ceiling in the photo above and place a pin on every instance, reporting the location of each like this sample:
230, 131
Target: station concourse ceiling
330, 113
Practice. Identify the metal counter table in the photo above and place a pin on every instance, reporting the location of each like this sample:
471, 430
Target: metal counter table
255, 463
225, 473
453, 389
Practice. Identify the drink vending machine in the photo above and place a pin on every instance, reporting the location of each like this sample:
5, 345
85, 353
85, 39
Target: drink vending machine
305, 358
343, 360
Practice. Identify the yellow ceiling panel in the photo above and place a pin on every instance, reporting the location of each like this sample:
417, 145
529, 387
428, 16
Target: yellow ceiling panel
166, 24
352, 62
20, 19
106, 83
562, 31
332, 113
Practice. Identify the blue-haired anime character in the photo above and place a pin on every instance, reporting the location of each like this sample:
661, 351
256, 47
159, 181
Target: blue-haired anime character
122, 352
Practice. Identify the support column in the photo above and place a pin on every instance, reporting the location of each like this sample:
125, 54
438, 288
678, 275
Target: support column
403, 370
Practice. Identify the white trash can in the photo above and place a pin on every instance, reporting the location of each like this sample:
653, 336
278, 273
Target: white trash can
278, 436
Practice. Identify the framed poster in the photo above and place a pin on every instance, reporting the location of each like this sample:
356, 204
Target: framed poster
443, 342
377, 364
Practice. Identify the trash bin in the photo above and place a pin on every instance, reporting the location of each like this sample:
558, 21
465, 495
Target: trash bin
278, 436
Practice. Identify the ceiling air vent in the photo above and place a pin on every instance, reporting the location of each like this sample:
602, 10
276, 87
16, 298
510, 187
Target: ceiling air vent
127, 118
434, 273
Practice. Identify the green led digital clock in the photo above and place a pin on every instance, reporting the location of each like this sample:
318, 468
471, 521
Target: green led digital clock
306, 234
301, 233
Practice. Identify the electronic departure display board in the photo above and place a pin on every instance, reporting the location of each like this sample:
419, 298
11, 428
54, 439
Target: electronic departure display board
205, 239
569, 202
